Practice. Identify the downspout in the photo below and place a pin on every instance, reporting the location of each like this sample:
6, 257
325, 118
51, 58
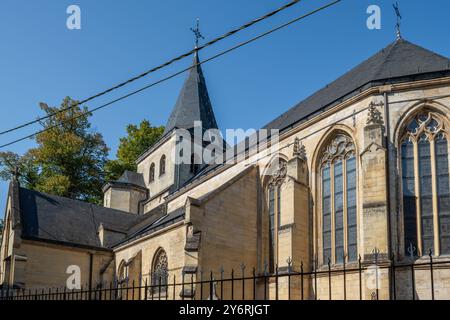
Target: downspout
91, 267
388, 175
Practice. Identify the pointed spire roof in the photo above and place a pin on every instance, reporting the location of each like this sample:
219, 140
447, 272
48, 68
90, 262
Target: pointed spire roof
401, 61
193, 103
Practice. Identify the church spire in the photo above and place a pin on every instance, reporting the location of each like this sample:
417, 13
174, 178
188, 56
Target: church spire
193, 102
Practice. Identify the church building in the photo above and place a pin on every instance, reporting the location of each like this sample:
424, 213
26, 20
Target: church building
360, 176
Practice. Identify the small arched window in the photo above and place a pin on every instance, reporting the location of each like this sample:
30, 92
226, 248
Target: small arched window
425, 185
160, 272
152, 173
338, 201
162, 165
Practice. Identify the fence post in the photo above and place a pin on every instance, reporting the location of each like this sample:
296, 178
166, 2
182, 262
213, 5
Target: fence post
431, 275
145, 290
360, 277
201, 284
254, 283
301, 279
376, 252
182, 285
222, 270
329, 279
243, 281
174, 286
394, 287
276, 282
232, 284
316, 263
344, 257
265, 280
412, 250
192, 287
211, 286
159, 287
289, 262
140, 288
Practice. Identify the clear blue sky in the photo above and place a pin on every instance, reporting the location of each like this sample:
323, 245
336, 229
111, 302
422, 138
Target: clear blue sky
41, 60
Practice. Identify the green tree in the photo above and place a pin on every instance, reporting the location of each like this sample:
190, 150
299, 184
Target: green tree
25, 164
69, 158
137, 141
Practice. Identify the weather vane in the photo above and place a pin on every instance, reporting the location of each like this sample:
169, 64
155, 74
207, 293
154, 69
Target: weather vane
399, 18
198, 35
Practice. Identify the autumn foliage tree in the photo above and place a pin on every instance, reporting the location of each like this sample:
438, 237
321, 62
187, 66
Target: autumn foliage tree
69, 158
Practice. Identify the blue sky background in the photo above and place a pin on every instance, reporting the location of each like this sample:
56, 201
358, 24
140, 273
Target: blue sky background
42, 61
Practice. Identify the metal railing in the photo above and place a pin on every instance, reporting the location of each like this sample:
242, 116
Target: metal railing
407, 280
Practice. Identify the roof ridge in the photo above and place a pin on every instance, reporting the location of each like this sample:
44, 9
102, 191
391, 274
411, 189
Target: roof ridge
390, 48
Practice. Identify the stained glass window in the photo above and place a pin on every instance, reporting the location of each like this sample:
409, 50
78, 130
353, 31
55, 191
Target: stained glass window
443, 190
338, 211
409, 194
160, 272
339, 201
326, 204
421, 205
352, 232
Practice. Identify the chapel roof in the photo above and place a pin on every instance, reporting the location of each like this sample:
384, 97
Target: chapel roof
67, 221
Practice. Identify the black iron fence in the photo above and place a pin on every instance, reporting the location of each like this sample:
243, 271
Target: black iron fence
424, 278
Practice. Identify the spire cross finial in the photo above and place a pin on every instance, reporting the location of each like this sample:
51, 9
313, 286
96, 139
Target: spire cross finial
399, 17
198, 35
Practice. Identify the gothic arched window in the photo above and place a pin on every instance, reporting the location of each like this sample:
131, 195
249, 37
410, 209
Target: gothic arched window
339, 201
152, 173
277, 175
425, 185
162, 165
160, 271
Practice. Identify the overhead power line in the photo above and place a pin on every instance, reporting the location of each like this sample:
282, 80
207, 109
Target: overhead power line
146, 73
177, 73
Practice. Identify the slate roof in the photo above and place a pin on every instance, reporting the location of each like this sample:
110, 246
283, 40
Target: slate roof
63, 220
399, 62
193, 103
151, 227
134, 178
